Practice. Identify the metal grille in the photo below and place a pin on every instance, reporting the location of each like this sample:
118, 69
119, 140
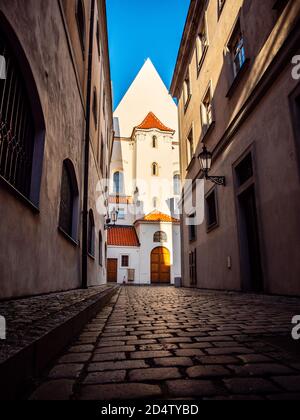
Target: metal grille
16, 125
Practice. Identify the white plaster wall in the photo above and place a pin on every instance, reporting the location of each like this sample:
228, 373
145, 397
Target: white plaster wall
134, 261
160, 186
147, 93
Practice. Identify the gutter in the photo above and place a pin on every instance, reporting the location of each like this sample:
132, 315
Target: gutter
85, 210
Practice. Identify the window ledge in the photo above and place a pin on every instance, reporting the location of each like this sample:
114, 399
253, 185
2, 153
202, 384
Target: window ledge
189, 167
186, 105
68, 237
92, 257
26, 201
207, 132
212, 227
237, 79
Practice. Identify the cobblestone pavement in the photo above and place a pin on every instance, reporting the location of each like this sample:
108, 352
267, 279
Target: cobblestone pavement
156, 343
30, 318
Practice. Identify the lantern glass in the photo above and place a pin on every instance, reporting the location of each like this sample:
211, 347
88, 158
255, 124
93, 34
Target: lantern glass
114, 216
205, 158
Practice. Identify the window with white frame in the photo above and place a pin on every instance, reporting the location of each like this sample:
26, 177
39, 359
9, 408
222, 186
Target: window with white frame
187, 93
190, 146
201, 43
236, 48
207, 115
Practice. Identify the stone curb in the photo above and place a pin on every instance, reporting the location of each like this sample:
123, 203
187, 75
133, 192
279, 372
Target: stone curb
20, 369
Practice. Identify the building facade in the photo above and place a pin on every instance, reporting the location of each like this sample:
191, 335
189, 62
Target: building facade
55, 143
238, 92
144, 246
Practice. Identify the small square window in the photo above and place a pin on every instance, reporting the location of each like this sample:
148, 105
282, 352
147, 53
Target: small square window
211, 210
125, 261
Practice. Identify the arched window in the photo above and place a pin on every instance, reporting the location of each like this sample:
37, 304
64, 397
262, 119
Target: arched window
80, 17
154, 169
155, 202
160, 237
91, 234
154, 142
95, 107
118, 183
177, 184
68, 215
22, 126
100, 249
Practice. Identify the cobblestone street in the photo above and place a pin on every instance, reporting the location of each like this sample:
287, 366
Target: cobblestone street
171, 343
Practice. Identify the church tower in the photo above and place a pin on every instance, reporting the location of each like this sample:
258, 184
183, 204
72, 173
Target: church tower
144, 246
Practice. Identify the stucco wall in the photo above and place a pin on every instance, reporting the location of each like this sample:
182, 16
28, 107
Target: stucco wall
267, 130
35, 258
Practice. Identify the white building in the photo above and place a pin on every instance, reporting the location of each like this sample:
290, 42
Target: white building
144, 246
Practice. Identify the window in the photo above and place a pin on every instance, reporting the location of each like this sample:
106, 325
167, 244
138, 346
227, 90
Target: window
193, 267
244, 171
98, 38
207, 117
100, 249
154, 142
121, 214
68, 214
211, 210
160, 237
187, 90
155, 202
201, 44
95, 107
91, 234
220, 5
125, 261
118, 183
279, 6
102, 156
177, 184
21, 129
192, 227
154, 169
104, 103
80, 17
237, 50
190, 147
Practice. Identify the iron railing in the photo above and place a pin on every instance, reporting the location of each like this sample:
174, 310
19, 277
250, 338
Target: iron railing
16, 125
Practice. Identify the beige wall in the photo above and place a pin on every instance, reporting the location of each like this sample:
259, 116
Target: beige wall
267, 129
35, 258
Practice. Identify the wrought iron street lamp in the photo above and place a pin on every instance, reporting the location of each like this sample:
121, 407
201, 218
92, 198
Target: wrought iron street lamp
205, 159
111, 222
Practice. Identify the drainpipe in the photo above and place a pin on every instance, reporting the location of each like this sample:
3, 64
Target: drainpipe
87, 154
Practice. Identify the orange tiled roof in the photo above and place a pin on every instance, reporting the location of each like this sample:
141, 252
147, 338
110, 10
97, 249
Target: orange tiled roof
151, 121
120, 200
123, 236
157, 216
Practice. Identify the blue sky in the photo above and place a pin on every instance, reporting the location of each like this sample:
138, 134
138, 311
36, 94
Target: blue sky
139, 29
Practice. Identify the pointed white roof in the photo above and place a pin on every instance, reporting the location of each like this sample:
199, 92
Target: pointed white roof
147, 93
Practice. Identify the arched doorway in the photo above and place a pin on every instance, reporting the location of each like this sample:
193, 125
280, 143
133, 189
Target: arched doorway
160, 266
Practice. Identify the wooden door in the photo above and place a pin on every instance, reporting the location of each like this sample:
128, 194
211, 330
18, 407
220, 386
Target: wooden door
112, 270
160, 266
